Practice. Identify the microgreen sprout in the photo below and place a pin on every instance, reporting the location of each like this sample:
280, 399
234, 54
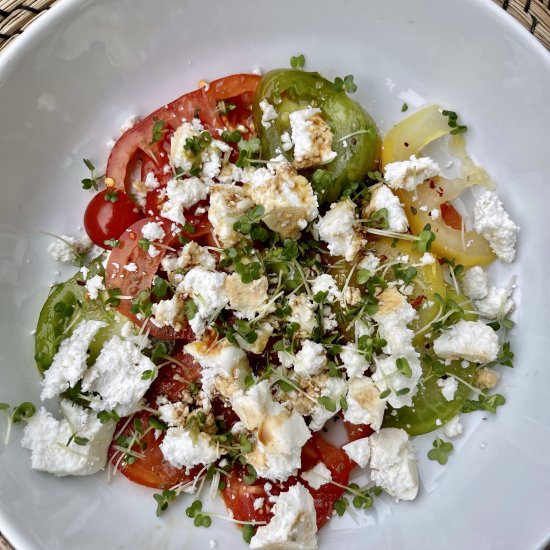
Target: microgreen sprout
158, 131
453, 122
440, 451
297, 61
111, 196
231, 137
404, 107
345, 83
91, 182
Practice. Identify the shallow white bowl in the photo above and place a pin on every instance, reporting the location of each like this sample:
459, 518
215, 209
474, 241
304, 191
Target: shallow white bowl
71, 80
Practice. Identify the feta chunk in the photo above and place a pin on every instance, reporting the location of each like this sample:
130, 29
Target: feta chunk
182, 194
408, 174
48, 440
370, 262
338, 229
382, 197
427, 259
496, 304
169, 313
287, 198
246, 298
153, 231
180, 450
486, 378
312, 138
364, 403
269, 114
303, 313
227, 204
207, 289
191, 255
334, 389
326, 283
470, 340
293, 525
474, 283
392, 462
493, 223
318, 476
354, 362
66, 249
117, 377
69, 363
453, 428
359, 451
264, 332
224, 366
448, 387
94, 285
311, 359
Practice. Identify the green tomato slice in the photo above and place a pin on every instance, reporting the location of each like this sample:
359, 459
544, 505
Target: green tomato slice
357, 154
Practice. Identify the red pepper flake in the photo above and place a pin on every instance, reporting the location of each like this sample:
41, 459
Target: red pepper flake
132, 236
418, 301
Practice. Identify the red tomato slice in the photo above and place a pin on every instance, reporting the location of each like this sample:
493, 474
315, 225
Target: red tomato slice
152, 470
450, 216
357, 431
200, 102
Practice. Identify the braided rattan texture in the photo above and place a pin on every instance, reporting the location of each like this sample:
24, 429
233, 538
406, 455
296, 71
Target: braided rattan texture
17, 15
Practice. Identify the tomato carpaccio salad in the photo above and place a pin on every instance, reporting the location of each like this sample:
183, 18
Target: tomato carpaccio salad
272, 267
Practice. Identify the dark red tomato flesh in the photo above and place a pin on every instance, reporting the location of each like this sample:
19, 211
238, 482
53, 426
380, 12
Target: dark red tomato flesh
152, 470
450, 216
108, 215
357, 431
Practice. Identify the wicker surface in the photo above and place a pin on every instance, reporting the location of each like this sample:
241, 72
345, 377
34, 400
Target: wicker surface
16, 15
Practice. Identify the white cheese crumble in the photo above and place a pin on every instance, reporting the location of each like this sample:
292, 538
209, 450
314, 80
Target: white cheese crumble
364, 403
293, 525
338, 229
427, 259
474, 283
408, 174
496, 304
153, 231
353, 361
303, 312
370, 262
94, 285
359, 451
312, 138
66, 249
179, 448
311, 359
448, 387
48, 440
169, 313
493, 223
318, 476
117, 377
269, 114
392, 462
246, 298
69, 363
129, 123
382, 197
453, 428
326, 283
182, 194
333, 388
471, 340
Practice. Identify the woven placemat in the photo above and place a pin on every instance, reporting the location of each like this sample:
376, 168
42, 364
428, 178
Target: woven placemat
17, 15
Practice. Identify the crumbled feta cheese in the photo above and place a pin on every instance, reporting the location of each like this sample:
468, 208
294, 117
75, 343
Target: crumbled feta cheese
318, 476
182, 451
303, 313
328, 319
392, 462
151, 182
207, 289
94, 285
337, 229
364, 403
326, 283
65, 249
471, 340
474, 283
408, 174
69, 363
153, 231
370, 262
269, 114
448, 387
435, 213
287, 198
131, 267
258, 503
246, 298
48, 441
263, 332
494, 224
224, 366
182, 194
129, 123
169, 313
286, 142
496, 304
153, 251
486, 378
333, 388
427, 259
293, 525
359, 451
312, 138
353, 361
227, 204
230, 173
311, 359
191, 255
453, 428
382, 197
117, 377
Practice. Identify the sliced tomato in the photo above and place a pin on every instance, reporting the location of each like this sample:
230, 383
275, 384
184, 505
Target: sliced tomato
202, 103
357, 431
152, 470
451, 216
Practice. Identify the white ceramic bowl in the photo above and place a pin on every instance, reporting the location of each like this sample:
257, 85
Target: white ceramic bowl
74, 76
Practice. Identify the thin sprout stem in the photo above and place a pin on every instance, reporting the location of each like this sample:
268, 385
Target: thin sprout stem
233, 520
353, 134
392, 234
468, 385
8, 429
